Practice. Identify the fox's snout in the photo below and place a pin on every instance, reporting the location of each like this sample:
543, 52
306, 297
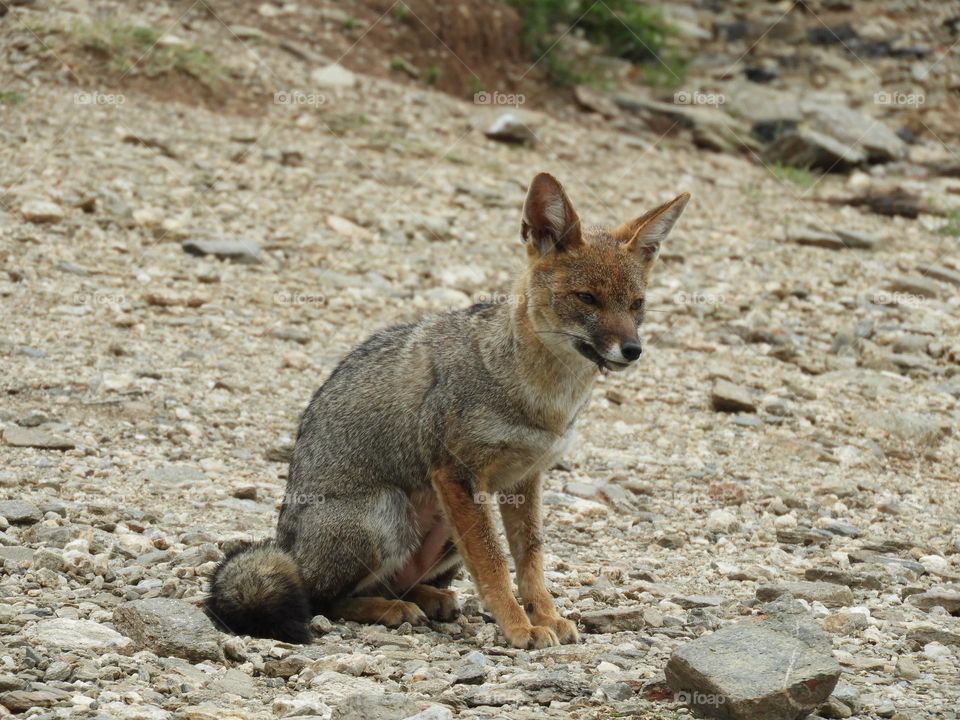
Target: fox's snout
619, 351
631, 350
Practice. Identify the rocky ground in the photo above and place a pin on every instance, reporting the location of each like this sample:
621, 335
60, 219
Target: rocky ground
179, 279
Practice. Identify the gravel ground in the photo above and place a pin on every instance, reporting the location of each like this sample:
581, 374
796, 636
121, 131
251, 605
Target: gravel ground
150, 396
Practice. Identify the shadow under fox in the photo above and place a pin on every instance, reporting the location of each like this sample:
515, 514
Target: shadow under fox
418, 433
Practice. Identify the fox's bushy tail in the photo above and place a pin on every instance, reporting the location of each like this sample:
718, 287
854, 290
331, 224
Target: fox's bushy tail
257, 590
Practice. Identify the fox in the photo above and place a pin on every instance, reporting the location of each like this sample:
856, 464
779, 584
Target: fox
421, 432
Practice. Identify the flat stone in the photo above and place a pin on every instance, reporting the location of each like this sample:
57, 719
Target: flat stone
939, 272
855, 129
727, 397
20, 512
918, 637
508, 127
806, 147
830, 594
611, 620
333, 77
41, 211
845, 623
169, 627
18, 701
778, 667
69, 634
914, 285
174, 476
857, 239
688, 602
239, 251
495, 696
837, 527
866, 556
36, 438
17, 553
948, 600
803, 536
817, 238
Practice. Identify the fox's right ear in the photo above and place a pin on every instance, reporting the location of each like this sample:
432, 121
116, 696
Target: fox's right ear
549, 220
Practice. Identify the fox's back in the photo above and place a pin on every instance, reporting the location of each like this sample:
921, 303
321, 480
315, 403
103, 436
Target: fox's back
384, 414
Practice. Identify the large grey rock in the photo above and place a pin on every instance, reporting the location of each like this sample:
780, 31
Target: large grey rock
238, 251
610, 620
727, 397
830, 594
854, 129
169, 627
42, 211
805, 147
174, 476
19, 701
20, 512
333, 77
510, 128
947, 599
36, 438
73, 635
914, 285
384, 706
762, 106
778, 667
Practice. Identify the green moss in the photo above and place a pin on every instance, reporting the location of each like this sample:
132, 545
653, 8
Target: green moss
128, 48
621, 28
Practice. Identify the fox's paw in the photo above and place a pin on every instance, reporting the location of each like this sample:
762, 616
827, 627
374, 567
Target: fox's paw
438, 603
565, 630
531, 637
400, 612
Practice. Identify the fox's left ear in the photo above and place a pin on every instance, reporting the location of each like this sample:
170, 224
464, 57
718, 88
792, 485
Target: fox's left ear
645, 234
549, 224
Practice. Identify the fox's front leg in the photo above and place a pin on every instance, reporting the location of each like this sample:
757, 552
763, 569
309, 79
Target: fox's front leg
521, 510
476, 538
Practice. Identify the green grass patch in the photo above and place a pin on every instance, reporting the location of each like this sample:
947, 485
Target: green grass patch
797, 175
136, 48
952, 228
620, 28
11, 97
432, 75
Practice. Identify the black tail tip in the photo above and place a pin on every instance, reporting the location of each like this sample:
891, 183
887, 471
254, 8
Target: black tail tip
258, 591
290, 623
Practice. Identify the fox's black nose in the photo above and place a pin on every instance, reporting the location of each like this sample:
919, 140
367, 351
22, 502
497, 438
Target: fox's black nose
631, 350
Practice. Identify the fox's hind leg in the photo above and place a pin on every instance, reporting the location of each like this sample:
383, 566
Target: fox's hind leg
347, 545
436, 603
378, 610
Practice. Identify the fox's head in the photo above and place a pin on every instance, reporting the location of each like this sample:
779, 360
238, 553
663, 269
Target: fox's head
586, 287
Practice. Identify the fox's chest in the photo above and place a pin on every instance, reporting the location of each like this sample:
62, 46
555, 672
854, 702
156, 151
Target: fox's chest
535, 454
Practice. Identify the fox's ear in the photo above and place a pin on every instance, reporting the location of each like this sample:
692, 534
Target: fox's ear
645, 234
549, 220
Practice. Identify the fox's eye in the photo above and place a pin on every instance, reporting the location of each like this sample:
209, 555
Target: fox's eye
586, 298
637, 304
